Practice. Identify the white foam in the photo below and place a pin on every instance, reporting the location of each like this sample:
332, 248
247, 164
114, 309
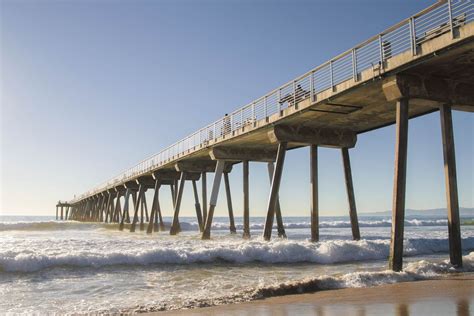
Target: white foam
34, 256
193, 226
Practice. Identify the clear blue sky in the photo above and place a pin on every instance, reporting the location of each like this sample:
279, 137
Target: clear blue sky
89, 88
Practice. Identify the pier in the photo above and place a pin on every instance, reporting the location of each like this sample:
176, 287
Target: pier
423, 64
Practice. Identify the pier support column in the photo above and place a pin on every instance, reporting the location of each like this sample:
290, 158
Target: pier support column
350, 194
118, 208
128, 192
155, 215
197, 205
229, 204
399, 185
143, 211
280, 227
204, 196
245, 168
67, 212
56, 212
62, 213
454, 226
275, 187
175, 226
136, 205
213, 202
313, 156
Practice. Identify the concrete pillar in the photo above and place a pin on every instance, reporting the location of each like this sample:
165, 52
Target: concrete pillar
56, 212
67, 212
62, 215
136, 205
197, 205
350, 194
125, 208
175, 226
229, 203
313, 157
118, 208
246, 214
280, 227
275, 187
213, 202
399, 186
144, 211
204, 196
454, 225
155, 215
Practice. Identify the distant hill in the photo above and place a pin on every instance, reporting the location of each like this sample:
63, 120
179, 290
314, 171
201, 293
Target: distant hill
464, 212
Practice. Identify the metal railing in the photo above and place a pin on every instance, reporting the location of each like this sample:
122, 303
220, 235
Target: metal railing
405, 36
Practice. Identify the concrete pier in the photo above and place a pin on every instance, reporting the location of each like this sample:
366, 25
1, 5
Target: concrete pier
363, 89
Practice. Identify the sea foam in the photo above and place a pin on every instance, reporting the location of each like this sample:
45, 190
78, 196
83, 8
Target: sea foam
99, 253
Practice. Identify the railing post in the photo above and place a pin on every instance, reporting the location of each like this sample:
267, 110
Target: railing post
450, 15
265, 111
279, 102
254, 116
294, 93
412, 36
354, 65
331, 75
381, 51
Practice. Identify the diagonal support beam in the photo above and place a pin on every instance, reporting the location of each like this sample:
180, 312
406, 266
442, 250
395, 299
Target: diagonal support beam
280, 227
213, 201
229, 203
197, 205
175, 226
350, 194
275, 187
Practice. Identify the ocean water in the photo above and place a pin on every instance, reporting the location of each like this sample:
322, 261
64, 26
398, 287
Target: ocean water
49, 266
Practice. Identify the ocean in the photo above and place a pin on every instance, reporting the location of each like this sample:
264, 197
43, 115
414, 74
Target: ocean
49, 266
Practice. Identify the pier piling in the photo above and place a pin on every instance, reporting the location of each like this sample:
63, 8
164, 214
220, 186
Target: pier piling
454, 225
350, 194
275, 187
246, 215
314, 192
213, 201
399, 185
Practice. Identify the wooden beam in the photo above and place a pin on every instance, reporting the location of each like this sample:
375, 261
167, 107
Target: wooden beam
350, 194
246, 214
213, 201
275, 186
229, 204
454, 225
313, 157
399, 186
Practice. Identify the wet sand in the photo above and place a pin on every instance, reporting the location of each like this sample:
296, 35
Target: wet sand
452, 295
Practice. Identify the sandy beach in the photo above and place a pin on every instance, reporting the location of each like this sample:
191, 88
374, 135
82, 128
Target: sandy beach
451, 295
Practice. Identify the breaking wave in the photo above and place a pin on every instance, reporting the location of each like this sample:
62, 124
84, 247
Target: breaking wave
99, 253
414, 271
191, 226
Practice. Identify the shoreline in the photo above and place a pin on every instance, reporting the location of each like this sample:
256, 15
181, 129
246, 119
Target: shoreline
449, 295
